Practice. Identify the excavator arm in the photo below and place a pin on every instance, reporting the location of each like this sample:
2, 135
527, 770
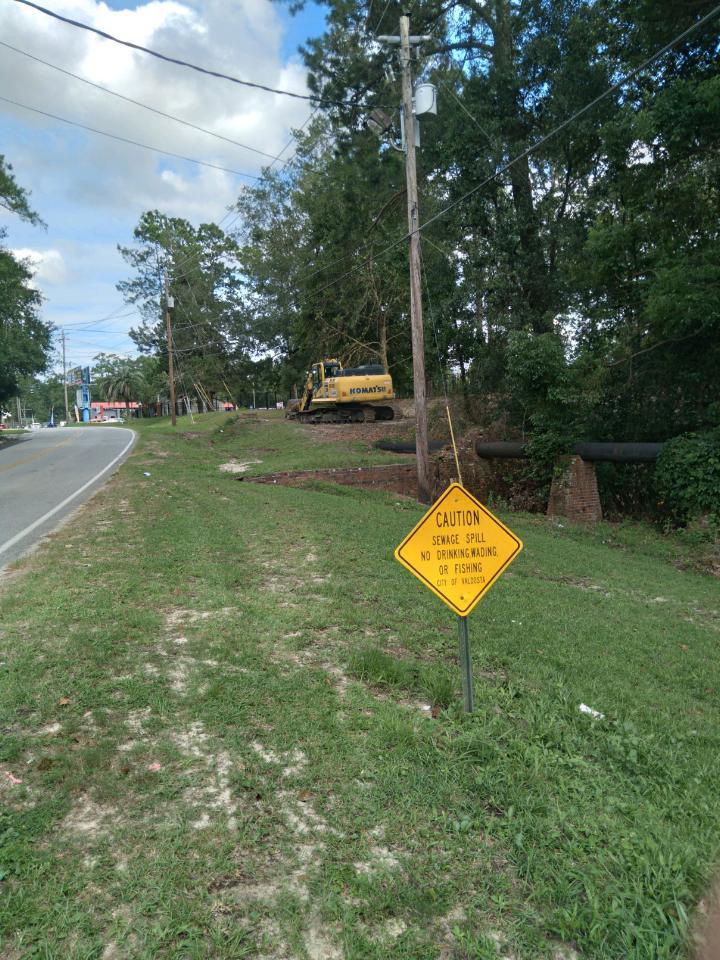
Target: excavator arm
314, 377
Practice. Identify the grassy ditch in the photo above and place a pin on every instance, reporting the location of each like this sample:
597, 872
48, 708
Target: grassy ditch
231, 728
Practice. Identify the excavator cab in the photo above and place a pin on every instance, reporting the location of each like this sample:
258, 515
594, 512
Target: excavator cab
315, 378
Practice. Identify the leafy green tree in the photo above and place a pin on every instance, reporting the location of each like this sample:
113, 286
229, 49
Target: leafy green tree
13, 197
605, 234
301, 231
25, 339
138, 379
39, 396
201, 269
648, 283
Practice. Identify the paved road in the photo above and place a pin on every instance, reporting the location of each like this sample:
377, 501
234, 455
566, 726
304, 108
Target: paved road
48, 475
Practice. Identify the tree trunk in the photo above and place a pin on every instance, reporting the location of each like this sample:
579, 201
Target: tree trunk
534, 278
382, 340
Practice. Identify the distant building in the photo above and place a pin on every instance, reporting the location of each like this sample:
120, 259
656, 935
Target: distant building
113, 409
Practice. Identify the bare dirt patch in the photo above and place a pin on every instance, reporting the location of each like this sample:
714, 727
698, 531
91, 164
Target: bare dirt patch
292, 761
191, 741
179, 673
393, 928
444, 932
317, 944
314, 657
50, 730
136, 719
214, 794
88, 820
400, 478
179, 616
236, 466
380, 860
280, 581
289, 874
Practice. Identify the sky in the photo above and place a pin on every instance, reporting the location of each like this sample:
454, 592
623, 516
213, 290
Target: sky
91, 190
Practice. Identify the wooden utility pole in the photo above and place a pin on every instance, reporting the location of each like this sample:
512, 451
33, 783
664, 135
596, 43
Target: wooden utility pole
416, 307
67, 408
171, 369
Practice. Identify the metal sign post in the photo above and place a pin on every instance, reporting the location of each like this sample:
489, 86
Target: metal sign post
465, 664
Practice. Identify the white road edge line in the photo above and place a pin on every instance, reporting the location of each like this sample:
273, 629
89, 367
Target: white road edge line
51, 513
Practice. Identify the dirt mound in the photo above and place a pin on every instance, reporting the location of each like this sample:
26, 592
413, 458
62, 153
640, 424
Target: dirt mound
365, 432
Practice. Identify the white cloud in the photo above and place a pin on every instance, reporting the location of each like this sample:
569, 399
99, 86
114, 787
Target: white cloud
47, 265
92, 190
241, 39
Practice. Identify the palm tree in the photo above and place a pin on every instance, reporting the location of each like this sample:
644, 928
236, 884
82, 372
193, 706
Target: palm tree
124, 383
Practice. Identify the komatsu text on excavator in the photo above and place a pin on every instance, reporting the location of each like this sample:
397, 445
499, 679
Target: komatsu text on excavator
334, 395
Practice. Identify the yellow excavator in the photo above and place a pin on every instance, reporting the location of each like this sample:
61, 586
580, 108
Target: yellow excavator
335, 395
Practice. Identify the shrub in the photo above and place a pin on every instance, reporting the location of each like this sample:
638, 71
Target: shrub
687, 478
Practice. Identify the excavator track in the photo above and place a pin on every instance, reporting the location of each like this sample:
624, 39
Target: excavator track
361, 413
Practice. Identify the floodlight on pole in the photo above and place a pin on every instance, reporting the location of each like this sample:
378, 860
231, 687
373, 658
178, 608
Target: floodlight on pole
379, 121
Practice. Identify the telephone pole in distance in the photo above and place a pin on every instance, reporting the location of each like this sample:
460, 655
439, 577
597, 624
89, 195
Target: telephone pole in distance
169, 304
67, 408
416, 305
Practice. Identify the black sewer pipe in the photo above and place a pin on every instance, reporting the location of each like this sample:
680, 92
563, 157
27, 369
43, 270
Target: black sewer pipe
626, 452
500, 450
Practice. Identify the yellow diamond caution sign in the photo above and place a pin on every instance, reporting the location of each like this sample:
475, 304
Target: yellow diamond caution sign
458, 549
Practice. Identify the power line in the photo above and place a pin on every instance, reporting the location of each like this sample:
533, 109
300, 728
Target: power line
74, 333
293, 137
237, 215
137, 103
135, 143
382, 16
89, 345
462, 106
114, 315
180, 63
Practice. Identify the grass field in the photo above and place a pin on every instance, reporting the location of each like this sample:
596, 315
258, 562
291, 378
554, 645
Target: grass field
231, 728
